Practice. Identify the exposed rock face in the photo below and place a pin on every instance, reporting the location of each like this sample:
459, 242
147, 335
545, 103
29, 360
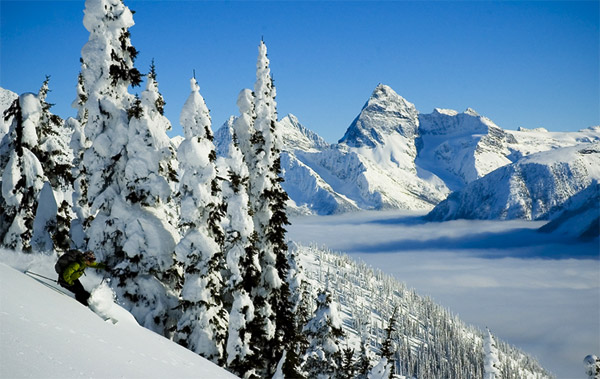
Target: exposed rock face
385, 113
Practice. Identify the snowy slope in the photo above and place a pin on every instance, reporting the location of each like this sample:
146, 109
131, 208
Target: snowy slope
298, 137
431, 342
535, 187
46, 334
580, 217
461, 147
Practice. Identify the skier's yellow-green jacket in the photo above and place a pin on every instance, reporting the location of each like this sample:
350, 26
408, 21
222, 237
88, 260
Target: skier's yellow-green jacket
76, 269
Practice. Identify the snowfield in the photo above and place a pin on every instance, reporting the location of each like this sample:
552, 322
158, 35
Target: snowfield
46, 334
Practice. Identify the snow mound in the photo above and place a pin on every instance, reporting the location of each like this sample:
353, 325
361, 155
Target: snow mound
102, 302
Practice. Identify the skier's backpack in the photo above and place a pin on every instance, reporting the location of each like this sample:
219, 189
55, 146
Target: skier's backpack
66, 259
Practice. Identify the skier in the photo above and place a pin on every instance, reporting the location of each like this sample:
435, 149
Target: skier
70, 267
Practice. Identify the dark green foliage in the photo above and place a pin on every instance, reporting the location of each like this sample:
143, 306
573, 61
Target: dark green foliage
13, 141
136, 110
388, 349
160, 101
119, 70
363, 364
348, 368
61, 236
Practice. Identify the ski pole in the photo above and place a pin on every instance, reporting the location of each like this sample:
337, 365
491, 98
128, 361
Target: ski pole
41, 276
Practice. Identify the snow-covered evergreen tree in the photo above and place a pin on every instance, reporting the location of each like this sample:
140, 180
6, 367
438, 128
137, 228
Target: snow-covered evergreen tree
106, 73
363, 363
324, 331
150, 236
78, 145
203, 326
22, 173
300, 302
273, 326
382, 370
348, 369
124, 230
388, 348
242, 262
491, 362
53, 229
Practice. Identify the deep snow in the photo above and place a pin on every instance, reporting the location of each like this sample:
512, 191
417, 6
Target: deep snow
44, 334
539, 292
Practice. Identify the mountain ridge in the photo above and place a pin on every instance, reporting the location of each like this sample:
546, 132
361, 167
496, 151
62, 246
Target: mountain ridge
393, 157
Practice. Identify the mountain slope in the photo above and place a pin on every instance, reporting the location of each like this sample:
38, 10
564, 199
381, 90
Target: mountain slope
461, 147
580, 217
46, 334
430, 341
372, 167
535, 187
385, 113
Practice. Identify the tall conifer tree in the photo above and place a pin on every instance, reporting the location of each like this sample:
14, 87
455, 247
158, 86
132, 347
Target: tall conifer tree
242, 259
116, 224
22, 174
273, 326
324, 330
491, 363
151, 235
203, 326
56, 160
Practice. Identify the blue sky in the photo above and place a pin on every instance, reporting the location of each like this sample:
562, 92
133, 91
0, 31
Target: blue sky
525, 64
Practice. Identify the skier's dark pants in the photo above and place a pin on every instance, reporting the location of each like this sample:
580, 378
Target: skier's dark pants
81, 295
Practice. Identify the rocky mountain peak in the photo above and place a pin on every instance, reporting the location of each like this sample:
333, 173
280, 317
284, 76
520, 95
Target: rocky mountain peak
385, 113
297, 137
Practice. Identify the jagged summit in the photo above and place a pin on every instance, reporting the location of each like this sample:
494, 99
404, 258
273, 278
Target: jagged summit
297, 136
448, 122
385, 113
472, 112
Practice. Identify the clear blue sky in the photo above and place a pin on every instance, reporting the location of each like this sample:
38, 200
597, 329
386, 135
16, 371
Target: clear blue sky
525, 64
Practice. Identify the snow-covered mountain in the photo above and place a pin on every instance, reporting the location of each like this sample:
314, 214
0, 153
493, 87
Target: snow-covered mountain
461, 147
298, 137
392, 156
535, 187
581, 215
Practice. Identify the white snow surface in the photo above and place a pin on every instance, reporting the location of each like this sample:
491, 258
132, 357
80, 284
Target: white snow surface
45, 334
